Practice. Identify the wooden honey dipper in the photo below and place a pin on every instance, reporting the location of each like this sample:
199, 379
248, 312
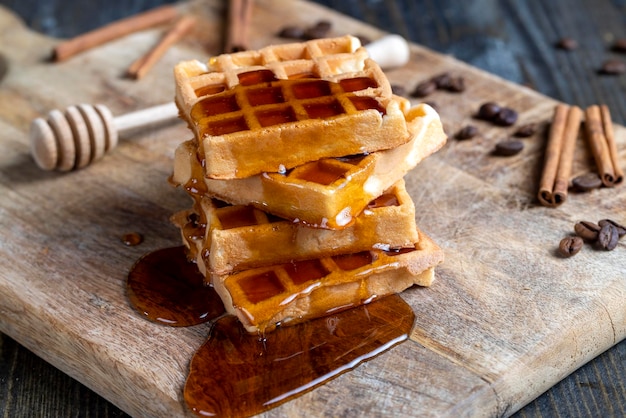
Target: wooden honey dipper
82, 134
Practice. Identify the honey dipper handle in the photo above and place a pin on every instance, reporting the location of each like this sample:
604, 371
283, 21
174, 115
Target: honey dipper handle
146, 117
389, 51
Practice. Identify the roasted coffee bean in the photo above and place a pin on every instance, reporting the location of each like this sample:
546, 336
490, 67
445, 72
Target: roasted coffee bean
291, 32
424, 89
613, 67
570, 246
621, 229
398, 90
619, 45
525, 131
456, 85
488, 111
319, 30
567, 44
508, 147
608, 237
467, 132
587, 230
505, 117
586, 182
442, 81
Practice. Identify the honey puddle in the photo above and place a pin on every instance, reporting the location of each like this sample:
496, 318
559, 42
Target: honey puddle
235, 373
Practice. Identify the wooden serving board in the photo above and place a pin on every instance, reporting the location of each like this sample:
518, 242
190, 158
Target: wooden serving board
505, 320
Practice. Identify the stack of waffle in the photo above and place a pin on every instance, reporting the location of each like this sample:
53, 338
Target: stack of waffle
296, 172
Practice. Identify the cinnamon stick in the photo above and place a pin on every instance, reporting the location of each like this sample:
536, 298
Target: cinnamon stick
239, 14
599, 145
113, 31
559, 155
142, 65
607, 125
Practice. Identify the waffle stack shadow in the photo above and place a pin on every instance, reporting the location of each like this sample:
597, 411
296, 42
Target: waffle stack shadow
296, 171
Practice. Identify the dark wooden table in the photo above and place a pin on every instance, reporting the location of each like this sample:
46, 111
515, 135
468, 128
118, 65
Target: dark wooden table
513, 39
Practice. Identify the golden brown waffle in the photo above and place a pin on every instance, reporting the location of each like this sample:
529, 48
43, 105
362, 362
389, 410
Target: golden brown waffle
254, 113
319, 58
327, 193
293, 292
228, 238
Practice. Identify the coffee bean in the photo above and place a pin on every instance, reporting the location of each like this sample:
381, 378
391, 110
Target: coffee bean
456, 85
424, 89
608, 237
613, 67
570, 246
505, 117
621, 230
442, 81
508, 147
291, 32
567, 44
467, 132
525, 131
319, 30
586, 182
488, 111
398, 90
587, 230
619, 45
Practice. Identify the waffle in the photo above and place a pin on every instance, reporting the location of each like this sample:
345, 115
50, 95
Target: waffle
265, 297
224, 238
280, 107
317, 58
329, 193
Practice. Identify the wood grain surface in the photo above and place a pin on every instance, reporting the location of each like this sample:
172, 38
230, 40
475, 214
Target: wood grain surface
505, 320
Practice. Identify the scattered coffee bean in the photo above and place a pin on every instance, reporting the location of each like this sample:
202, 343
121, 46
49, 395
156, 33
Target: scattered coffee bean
456, 85
567, 44
488, 111
619, 45
467, 132
398, 90
621, 229
291, 32
508, 147
587, 230
526, 131
586, 182
442, 81
319, 30
505, 117
608, 237
570, 246
613, 67
424, 89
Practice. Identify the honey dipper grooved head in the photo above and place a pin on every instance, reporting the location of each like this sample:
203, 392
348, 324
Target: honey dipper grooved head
72, 139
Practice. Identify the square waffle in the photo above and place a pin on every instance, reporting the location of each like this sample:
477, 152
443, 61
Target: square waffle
328, 193
224, 238
265, 297
272, 110
318, 58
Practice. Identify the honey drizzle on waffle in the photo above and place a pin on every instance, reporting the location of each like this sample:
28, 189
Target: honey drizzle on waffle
261, 100
224, 238
265, 297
